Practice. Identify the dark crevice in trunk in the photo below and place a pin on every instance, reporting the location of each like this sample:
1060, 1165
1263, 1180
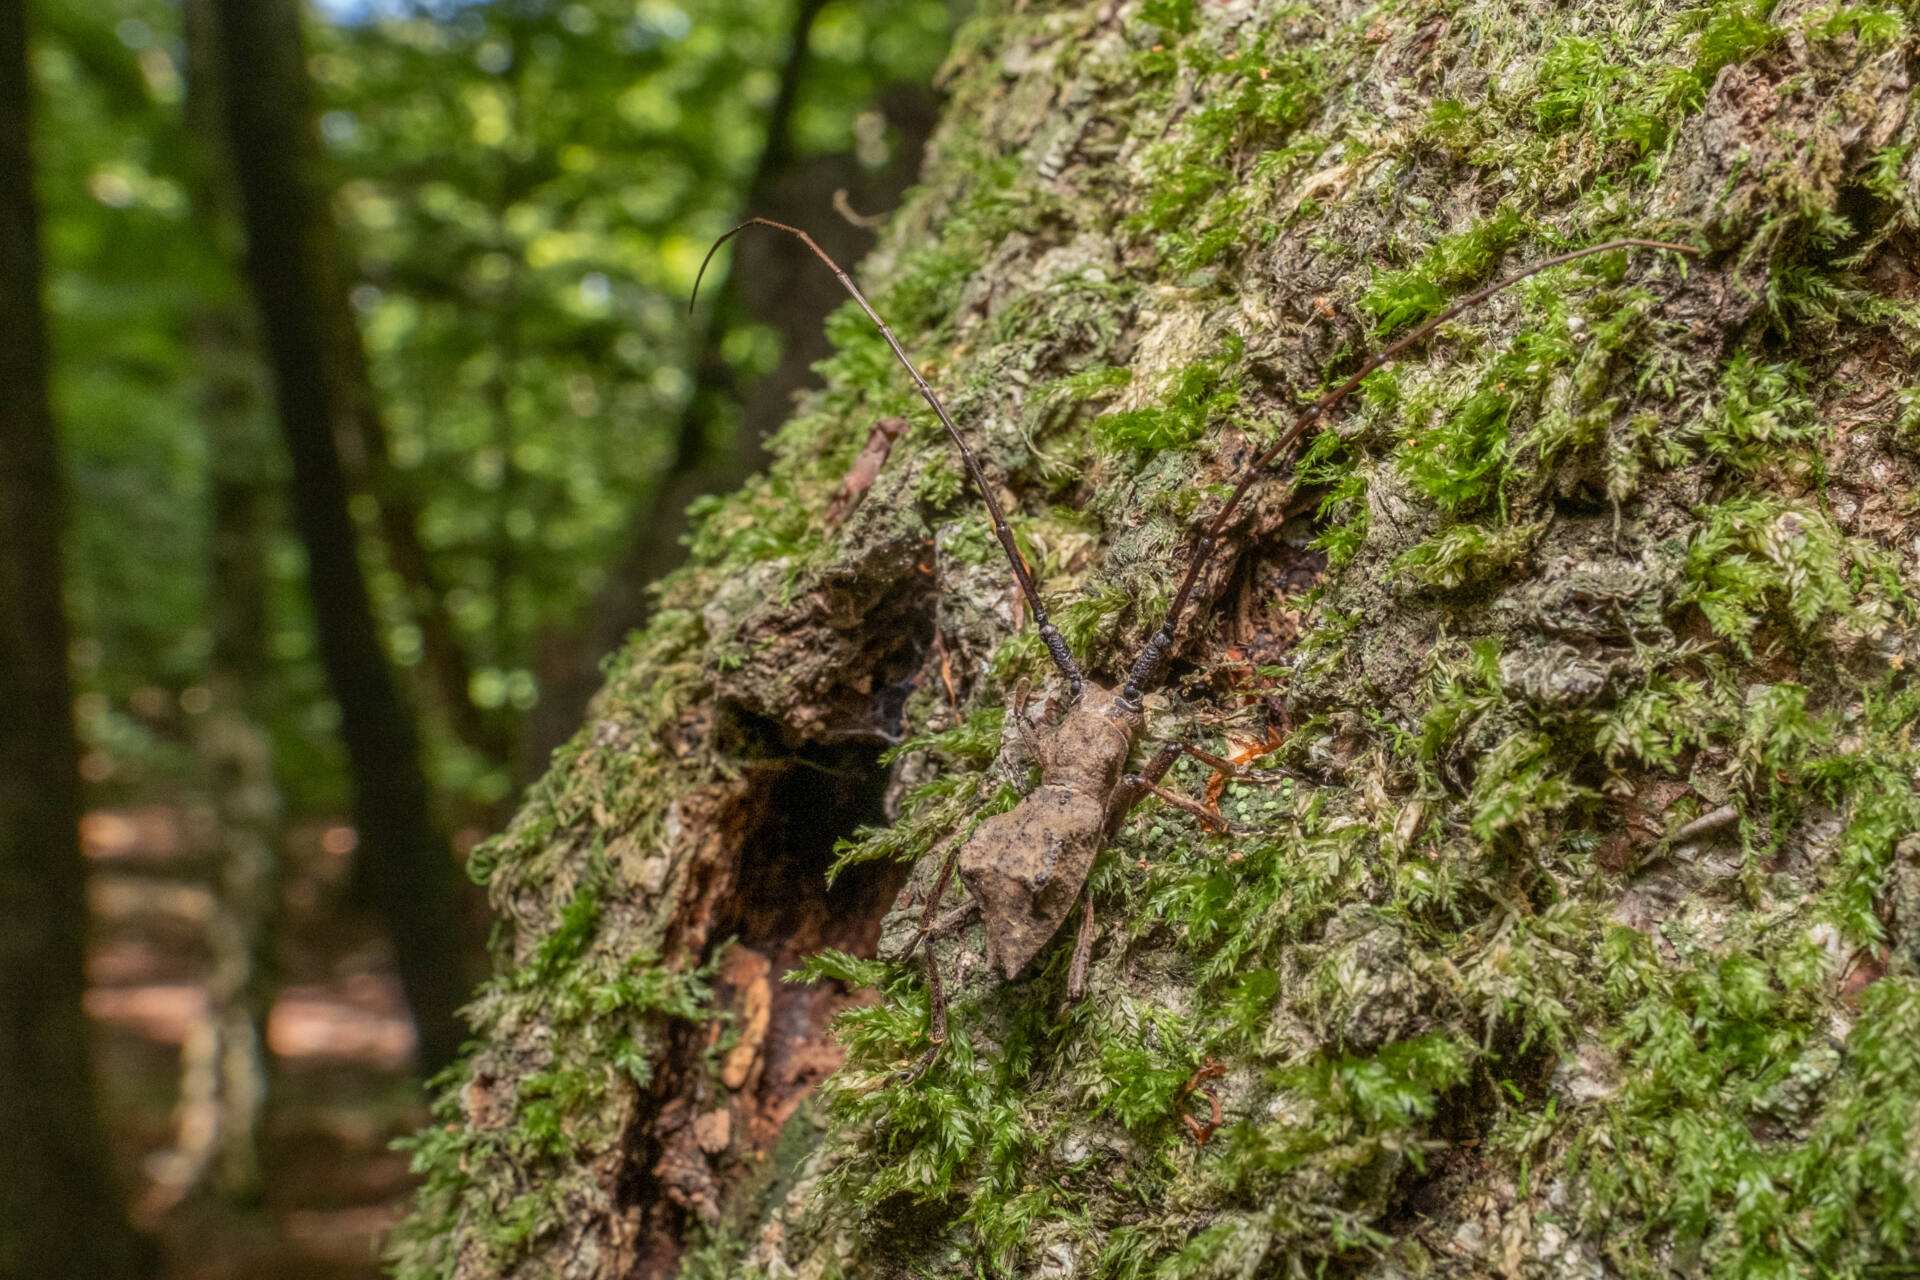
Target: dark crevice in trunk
1463, 1116
779, 910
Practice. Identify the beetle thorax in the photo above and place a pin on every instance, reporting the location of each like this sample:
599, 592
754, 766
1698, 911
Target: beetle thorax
1089, 747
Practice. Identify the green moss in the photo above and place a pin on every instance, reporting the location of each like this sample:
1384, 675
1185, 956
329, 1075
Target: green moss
600, 1013
1467, 552
1714, 1060
1753, 554
1871, 25
1342, 514
1194, 398
1658, 723
1396, 298
1210, 194
1869, 780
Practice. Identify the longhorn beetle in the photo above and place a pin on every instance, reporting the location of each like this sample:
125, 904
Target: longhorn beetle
1026, 867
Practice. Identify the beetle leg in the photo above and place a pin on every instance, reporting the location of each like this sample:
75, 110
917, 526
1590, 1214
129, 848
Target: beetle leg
954, 920
940, 886
936, 1014
1178, 801
936, 1001
1082, 948
1147, 782
1029, 732
936, 990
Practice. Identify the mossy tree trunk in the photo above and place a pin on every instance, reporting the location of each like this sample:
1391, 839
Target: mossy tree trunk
1569, 922
721, 433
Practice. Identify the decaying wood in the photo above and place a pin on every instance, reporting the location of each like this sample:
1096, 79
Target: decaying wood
866, 466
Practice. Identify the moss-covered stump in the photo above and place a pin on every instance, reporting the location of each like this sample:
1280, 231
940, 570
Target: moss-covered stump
1571, 919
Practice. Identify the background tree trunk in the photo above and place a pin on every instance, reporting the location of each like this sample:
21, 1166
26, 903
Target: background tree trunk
405, 856
1570, 928
60, 1215
224, 1064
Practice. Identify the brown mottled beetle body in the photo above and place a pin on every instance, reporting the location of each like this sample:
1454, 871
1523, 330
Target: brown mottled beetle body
1026, 866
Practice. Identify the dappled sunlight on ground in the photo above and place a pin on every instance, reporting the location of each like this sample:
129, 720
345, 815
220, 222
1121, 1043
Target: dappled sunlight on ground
339, 1032
357, 1021
369, 1025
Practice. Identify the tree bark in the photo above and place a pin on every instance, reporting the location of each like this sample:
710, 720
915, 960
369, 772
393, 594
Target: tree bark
407, 858
60, 1215
1567, 925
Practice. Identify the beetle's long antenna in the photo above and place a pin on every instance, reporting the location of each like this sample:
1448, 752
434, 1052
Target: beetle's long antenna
1049, 634
1146, 666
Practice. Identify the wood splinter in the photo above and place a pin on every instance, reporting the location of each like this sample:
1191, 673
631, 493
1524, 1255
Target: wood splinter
1201, 1131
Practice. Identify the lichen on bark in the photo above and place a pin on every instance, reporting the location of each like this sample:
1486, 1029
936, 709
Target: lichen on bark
1569, 924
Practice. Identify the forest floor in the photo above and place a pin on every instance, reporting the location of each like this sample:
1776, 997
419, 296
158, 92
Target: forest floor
342, 1043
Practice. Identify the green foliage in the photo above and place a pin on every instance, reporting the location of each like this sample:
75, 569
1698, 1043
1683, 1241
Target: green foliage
1459, 447
1173, 17
1735, 32
1452, 124
1777, 733
563, 945
135, 282
1869, 777
1659, 722
963, 1124
1388, 1091
524, 193
1718, 1055
1874, 27
1284, 888
1764, 406
1090, 619
838, 966
1210, 192
1137, 1081
1523, 779
1460, 460
975, 739
1088, 384
1343, 512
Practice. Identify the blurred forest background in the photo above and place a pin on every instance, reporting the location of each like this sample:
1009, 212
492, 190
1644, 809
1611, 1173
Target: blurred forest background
373, 406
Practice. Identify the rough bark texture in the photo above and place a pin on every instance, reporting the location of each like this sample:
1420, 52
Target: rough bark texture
406, 858
60, 1215
1570, 928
